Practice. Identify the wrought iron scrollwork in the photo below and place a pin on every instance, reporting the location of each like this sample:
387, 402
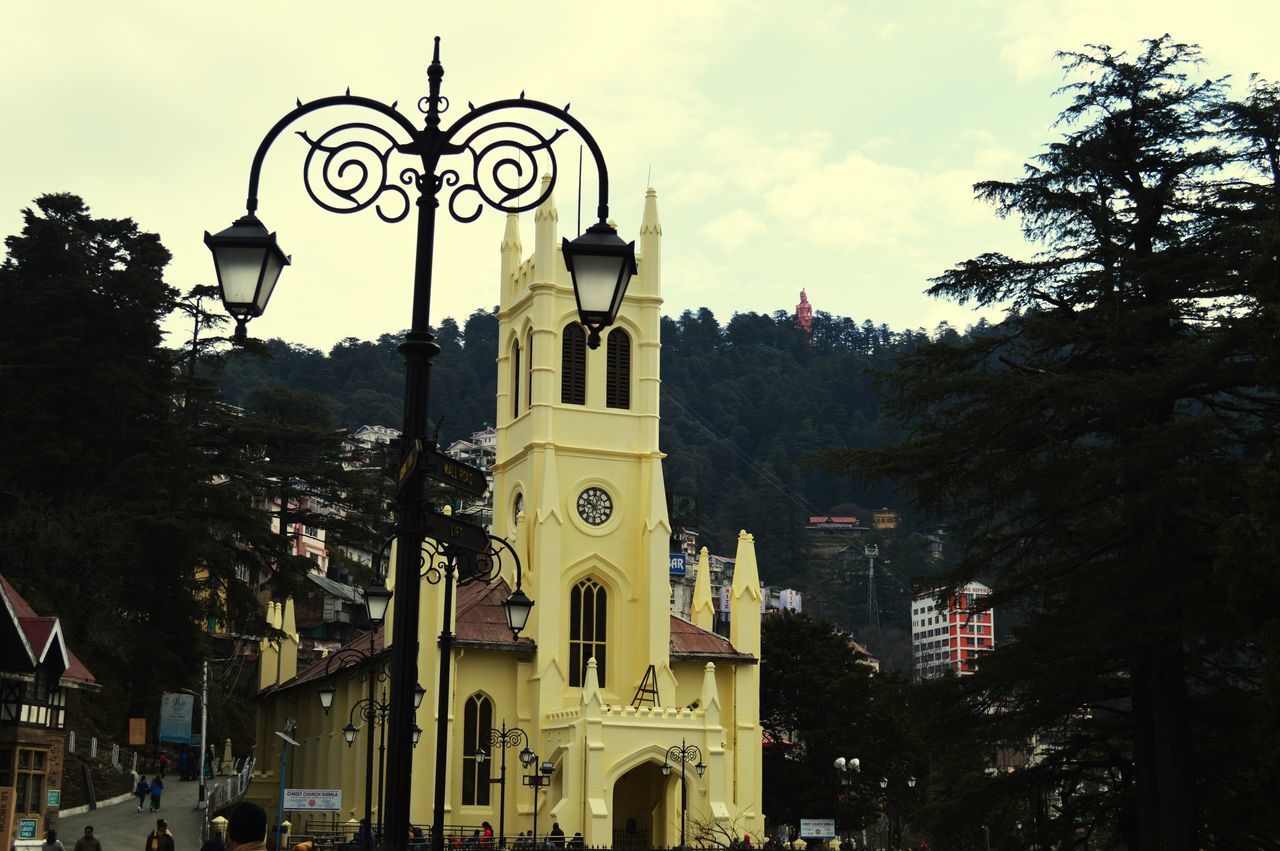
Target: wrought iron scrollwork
438, 560
507, 159
349, 169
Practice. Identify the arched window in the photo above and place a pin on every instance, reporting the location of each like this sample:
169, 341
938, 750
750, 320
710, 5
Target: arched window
617, 387
588, 607
515, 379
477, 721
528, 378
573, 365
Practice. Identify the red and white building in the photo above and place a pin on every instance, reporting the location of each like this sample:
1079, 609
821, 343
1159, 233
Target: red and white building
950, 636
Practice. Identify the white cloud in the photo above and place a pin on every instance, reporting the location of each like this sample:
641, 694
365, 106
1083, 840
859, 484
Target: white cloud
735, 229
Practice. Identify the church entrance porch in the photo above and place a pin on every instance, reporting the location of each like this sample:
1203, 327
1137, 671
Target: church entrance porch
639, 809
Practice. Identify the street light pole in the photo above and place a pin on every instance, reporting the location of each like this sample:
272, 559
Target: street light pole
897, 776
502, 738
684, 755
507, 158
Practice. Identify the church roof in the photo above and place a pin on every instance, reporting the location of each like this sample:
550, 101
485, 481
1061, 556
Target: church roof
480, 623
692, 643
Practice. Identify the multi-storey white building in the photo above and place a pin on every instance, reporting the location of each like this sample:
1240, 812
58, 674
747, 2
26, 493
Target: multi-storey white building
948, 635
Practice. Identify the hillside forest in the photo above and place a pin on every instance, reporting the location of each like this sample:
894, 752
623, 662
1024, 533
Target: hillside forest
747, 404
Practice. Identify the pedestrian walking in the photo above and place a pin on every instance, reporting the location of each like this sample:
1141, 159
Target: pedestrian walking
157, 789
142, 790
159, 839
183, 765
88, 842
163, 762
51, 842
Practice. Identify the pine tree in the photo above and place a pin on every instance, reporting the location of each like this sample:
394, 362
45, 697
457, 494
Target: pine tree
1093, 452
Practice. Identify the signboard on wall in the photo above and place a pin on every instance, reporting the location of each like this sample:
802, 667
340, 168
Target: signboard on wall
55, 798
677, 564
818, 828
137, 732
27, 828
313, 800
175, 718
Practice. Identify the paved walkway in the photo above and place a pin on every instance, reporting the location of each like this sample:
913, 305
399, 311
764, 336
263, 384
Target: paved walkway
121, 827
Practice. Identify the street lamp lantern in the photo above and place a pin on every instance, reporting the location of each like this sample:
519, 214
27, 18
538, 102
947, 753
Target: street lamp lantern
666, 769
527, 757
326, 696
349, 733
480, 755
418, 693
601, 266
700, 768
884, 782
249, 262
417, 734
377, 598
518, 606
911, 782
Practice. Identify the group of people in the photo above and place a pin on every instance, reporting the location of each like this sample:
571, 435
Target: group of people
154, 789
88, 842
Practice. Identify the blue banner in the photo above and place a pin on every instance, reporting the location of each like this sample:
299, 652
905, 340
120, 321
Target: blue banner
175, 718
677, 564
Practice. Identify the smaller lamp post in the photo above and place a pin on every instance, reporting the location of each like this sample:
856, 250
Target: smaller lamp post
372, 711
537, 779
684, 755
846, 768
504, 738
897, 777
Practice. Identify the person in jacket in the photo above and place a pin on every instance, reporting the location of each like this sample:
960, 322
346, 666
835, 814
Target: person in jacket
159, 839
88, 842
142, 790
51, 842
157, 789
247, 828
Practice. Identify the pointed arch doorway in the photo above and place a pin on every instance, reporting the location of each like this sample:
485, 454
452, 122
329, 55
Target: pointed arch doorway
639, 809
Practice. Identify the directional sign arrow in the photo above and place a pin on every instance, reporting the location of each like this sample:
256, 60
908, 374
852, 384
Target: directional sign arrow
449, 471
456, 532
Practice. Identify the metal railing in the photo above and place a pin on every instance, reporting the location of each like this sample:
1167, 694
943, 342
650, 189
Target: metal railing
223, 793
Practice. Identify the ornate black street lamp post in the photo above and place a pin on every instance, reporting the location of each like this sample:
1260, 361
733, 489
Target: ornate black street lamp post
502, 738
349, 168
684, 755
896, 779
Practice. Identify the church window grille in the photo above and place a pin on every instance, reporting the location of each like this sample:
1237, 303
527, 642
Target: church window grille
618, 371
573, 366
588, 609
477, 720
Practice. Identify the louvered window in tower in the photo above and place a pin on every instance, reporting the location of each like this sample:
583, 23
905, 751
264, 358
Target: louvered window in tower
617, 390
515, 379
588, 609
573, 366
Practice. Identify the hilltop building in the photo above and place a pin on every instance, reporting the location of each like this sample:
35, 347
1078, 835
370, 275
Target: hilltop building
604, 679
950, 636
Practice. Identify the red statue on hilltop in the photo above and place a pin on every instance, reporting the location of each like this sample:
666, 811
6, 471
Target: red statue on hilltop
804, 315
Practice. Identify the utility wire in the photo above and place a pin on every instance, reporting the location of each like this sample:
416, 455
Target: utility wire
770, 479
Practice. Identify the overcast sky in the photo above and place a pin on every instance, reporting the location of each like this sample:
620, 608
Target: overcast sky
823, 145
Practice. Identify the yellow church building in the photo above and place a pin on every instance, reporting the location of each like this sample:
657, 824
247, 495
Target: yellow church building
603, 680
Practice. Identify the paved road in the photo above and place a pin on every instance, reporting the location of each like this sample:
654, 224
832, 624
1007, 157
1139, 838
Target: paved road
122, 828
